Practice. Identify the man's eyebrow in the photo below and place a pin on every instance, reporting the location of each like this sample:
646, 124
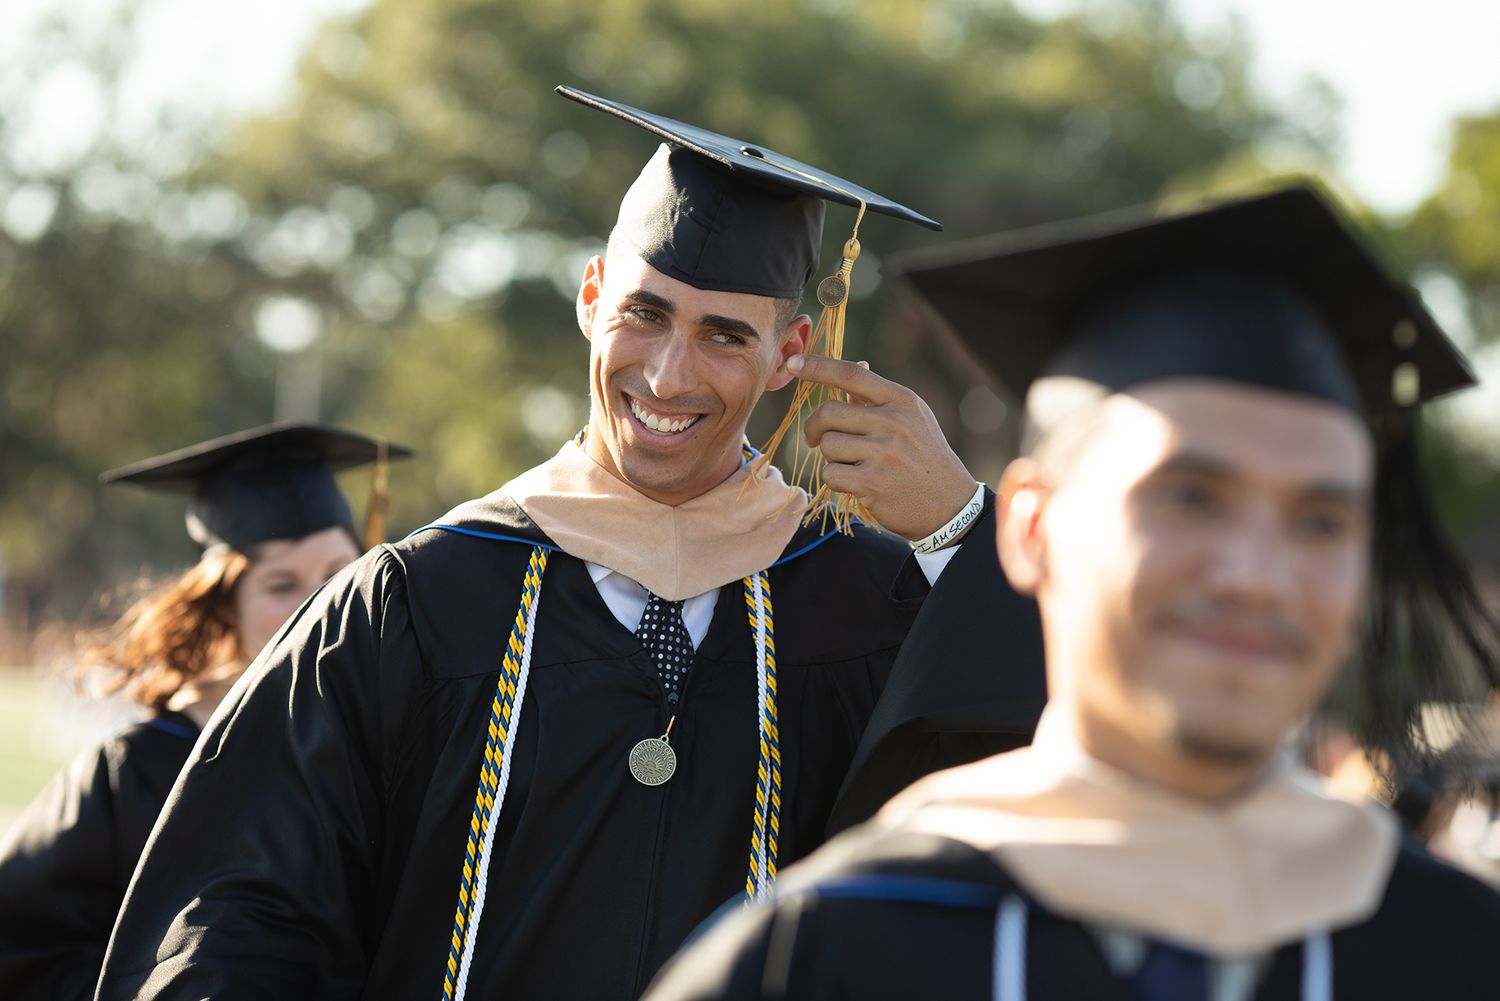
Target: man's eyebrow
1333, 491
645, 298
730, 324
1195, 463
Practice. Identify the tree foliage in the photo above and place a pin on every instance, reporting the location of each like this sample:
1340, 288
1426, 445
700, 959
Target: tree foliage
1452, 245
433, 203
1457, 229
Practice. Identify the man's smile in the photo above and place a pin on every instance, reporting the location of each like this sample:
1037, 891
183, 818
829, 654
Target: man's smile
658, 423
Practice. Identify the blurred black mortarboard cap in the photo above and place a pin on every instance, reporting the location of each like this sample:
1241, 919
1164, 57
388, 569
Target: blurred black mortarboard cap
729, 216
1274, 290
271, 482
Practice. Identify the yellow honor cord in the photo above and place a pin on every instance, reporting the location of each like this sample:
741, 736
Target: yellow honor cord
765, 830
806, 466
494, 770
379, 505
494, 775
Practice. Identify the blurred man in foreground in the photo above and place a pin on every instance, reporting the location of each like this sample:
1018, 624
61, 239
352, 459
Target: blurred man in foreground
1206, 518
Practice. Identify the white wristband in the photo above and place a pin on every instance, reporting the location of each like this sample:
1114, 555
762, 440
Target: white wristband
960, 523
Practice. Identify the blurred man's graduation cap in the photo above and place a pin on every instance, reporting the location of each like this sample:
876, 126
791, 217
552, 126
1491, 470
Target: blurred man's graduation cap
1274, 291
726, 215
1256, 290
271, 482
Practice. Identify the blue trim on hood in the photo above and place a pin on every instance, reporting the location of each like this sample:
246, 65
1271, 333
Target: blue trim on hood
497, 537
175, 729
476, 533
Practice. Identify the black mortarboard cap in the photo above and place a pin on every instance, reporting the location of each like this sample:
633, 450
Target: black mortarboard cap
1274, 291
729, 216
1251, 290
271, 482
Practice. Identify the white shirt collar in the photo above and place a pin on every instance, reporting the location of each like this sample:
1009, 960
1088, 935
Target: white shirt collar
598, 572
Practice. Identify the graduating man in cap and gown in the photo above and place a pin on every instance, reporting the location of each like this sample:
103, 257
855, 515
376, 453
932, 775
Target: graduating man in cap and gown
527, 750
273, 526
1218, 492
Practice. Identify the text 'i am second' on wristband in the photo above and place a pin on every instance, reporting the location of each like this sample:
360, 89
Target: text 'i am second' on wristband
960, 523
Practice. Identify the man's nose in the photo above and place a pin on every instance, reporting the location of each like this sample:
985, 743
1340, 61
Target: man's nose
1254, 560
669, 370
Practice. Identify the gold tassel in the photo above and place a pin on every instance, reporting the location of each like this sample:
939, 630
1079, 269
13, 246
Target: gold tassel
806, 466
379, 505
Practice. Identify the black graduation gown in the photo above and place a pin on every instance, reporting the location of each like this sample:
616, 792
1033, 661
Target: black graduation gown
991, 694
66, 861
343, 781
881, 914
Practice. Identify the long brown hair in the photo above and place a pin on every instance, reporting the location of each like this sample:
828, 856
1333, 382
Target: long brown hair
171, 634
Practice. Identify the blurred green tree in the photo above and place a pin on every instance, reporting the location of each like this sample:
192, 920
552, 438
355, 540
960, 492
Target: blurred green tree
466, 197
116, 334
1451, 244
1457, 229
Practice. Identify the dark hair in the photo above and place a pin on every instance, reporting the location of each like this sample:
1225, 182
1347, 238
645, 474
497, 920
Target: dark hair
1430, 640
786, 309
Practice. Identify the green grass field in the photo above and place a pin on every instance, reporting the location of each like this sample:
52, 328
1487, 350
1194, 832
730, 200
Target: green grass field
40, 729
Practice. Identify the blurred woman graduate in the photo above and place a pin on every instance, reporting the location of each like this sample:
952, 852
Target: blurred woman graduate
273, 527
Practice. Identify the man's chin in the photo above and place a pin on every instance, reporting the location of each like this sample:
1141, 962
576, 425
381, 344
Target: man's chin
666, 482
1225, 749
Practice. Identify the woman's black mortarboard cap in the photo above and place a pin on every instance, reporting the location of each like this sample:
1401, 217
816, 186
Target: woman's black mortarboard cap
271, 482
1274, 291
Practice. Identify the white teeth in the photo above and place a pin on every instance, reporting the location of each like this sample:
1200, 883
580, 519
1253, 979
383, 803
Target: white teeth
661, 425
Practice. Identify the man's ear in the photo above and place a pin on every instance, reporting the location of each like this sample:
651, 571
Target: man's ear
1021, 499
589, 291
794, 337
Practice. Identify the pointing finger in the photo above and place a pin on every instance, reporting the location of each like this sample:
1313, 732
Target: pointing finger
854, 378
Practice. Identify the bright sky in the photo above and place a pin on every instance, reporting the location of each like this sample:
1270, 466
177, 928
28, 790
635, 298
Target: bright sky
1404, 70
195, 56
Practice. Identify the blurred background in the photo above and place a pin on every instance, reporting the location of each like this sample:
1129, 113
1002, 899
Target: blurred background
375, 212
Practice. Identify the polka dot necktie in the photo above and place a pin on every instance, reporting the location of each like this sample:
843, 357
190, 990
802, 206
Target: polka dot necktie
665, 637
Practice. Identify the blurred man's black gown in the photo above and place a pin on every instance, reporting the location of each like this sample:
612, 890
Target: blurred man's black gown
906, 915
67, 860
342, 780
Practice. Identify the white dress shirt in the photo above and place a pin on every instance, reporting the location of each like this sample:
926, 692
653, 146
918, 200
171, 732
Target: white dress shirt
627, 599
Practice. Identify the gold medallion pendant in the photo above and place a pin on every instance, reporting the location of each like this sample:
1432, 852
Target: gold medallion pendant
653, 761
